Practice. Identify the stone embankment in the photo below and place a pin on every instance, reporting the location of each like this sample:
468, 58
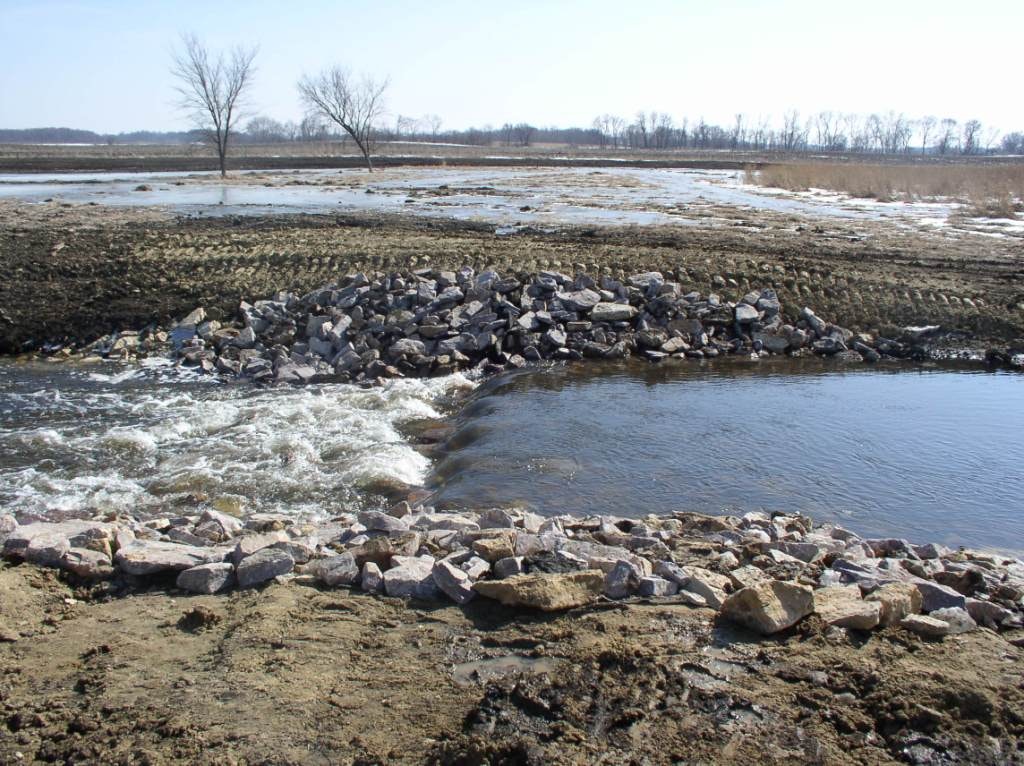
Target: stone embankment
432, 322
766, 573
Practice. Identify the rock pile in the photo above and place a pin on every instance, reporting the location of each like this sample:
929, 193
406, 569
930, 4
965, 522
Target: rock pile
764, 572
432, 322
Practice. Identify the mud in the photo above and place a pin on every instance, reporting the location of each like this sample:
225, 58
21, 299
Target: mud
74, 273
292, 674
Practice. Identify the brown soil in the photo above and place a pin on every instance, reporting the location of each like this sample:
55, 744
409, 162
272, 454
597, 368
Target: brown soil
292, 674
73, 273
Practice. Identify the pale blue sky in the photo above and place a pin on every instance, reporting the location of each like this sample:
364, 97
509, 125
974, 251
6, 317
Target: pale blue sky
103, 64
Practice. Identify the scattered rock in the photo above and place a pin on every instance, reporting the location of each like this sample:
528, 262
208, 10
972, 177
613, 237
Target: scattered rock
147, 557
412, 577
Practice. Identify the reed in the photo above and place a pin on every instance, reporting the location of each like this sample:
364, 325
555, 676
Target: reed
993, 191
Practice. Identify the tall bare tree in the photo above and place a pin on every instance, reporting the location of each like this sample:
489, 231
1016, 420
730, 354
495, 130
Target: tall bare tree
212, 88
354, 104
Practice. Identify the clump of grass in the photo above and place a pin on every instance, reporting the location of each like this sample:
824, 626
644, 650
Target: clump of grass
995, 191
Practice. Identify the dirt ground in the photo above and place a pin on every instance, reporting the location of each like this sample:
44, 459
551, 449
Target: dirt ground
74, 273
293, 674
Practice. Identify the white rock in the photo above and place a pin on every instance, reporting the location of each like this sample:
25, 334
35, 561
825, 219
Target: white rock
622, 581
707, 584
90, 564
250, 544
372, 579
842, 605
455, 583
898, 600
335, 570
923, 625
657, 586
375, 521
959, 620
509, 567
411, 578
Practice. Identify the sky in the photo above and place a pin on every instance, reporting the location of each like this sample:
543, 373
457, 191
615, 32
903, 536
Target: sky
104, 65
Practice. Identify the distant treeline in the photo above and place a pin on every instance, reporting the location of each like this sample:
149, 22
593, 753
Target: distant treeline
829, 132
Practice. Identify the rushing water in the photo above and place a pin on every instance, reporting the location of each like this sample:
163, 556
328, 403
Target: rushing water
78, 441
928, 453
932, 454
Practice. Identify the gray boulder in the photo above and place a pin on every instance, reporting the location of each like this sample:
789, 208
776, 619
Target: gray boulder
265, 564
412, 577
652, 586
936, 596
207, 578
612, 312
622, 581
454, 582
372, 579
336, 570
147, 557
87, 563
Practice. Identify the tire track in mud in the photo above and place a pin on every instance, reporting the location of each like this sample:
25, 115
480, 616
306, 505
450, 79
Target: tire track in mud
75, 282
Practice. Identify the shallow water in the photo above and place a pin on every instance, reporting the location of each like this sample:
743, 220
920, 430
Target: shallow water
926, 453
523, 196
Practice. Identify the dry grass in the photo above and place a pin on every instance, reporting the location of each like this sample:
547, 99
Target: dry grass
993, 191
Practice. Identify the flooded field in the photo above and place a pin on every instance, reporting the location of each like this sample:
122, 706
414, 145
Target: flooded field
505, 197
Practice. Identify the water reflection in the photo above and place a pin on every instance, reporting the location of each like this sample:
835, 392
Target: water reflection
928, 452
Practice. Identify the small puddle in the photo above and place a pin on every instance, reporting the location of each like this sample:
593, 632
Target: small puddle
482, 671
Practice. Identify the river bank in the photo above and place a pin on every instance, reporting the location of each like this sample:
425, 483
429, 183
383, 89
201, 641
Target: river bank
291, 667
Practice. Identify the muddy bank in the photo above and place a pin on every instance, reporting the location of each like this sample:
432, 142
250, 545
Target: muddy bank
293, 674
78, 273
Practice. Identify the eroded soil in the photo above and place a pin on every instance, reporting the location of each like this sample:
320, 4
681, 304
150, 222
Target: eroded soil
292, 674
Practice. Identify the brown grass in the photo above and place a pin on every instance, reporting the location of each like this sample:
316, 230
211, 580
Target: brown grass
993, 191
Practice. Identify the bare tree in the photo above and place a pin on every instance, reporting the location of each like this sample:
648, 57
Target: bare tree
926, 125
523, 133
212, 89
355, 105
312, 128
266, 130
969, 141
433, 123
947, 136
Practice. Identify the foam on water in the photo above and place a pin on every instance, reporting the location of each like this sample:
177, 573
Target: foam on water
78, 442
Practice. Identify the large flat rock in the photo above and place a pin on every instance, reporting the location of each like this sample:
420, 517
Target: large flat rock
146, 557
547, 592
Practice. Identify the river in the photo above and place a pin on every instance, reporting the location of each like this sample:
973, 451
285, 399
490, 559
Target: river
930, 453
